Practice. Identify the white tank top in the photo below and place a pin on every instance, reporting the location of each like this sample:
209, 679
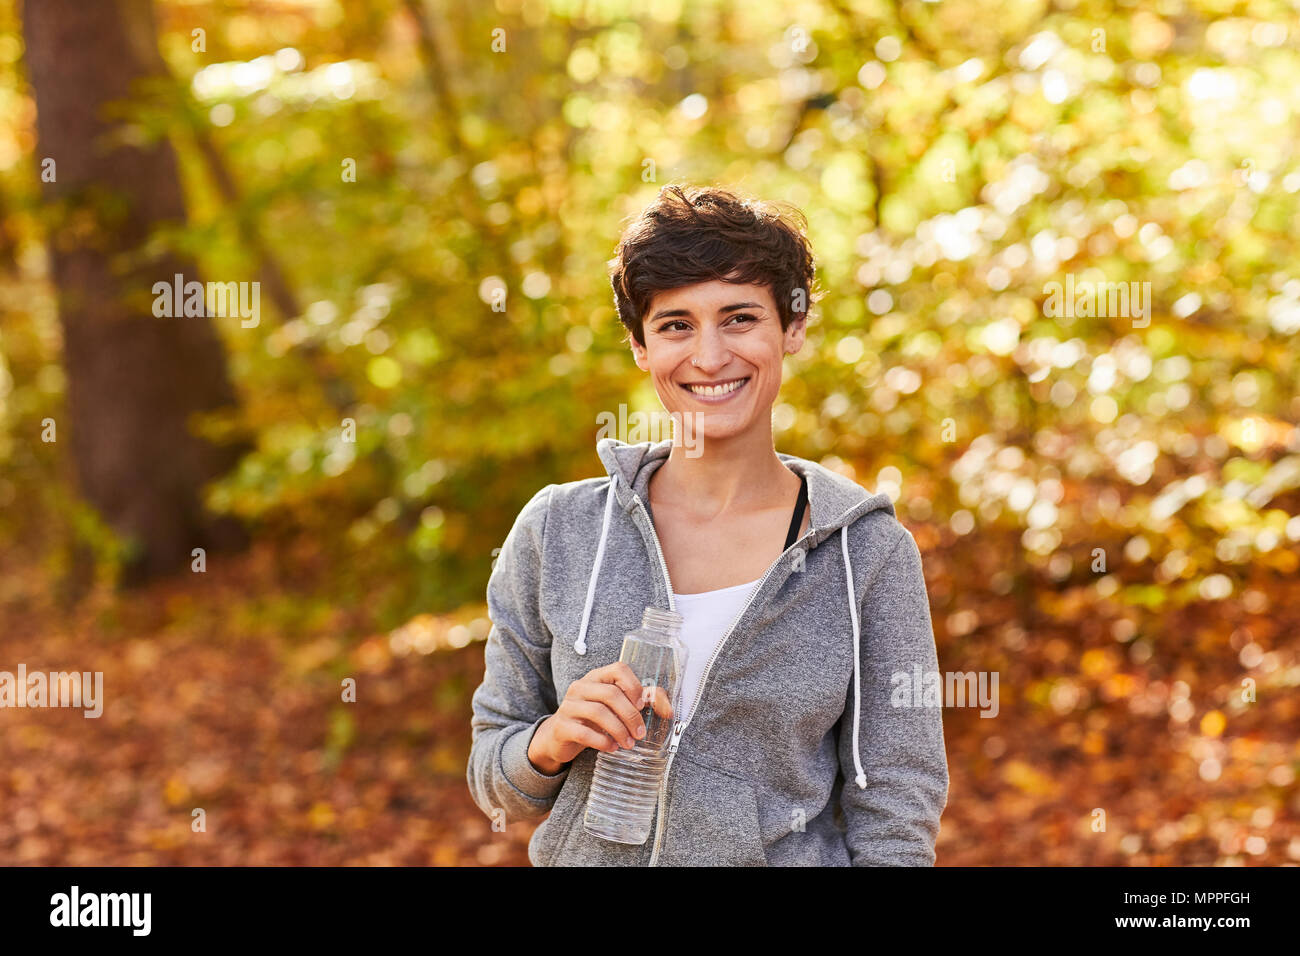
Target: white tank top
705, 618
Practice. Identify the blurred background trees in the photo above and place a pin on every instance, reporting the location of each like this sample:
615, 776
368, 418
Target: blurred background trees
133, 380
1107, 503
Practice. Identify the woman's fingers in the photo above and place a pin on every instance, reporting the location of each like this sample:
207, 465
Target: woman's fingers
603, 710
618, 687
573, 730
600, 716
606, 708
622, 676
626, 710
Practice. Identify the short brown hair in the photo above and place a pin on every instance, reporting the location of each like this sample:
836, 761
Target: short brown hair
691, 234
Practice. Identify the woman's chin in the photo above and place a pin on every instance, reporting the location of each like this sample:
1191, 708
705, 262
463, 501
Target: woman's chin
701, 427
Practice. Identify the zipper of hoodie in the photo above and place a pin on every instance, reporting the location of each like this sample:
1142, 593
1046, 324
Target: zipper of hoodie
663, 564
677, 724
680, 726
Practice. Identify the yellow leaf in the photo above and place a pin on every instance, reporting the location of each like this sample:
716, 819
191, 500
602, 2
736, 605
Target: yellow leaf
444, 855
1022, 775
1097, 662
1120, 685
321, 815
446, 760
175, 791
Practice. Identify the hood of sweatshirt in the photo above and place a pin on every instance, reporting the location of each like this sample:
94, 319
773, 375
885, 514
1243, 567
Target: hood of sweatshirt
833, 500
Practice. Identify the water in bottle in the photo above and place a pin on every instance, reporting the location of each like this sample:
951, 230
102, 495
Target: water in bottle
625, 786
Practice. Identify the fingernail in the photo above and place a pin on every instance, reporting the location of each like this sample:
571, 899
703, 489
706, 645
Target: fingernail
640, 732
628, 743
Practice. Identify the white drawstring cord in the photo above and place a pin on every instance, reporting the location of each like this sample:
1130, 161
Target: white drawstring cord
580, 645
861, 779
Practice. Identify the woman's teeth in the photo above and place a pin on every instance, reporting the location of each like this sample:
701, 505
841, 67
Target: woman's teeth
716, 390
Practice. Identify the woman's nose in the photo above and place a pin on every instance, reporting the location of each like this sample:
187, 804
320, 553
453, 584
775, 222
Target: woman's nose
711, 354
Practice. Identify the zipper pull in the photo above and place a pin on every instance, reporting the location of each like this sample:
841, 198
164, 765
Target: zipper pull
678, 727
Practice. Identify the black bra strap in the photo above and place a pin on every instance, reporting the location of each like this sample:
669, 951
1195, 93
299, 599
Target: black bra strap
796, 522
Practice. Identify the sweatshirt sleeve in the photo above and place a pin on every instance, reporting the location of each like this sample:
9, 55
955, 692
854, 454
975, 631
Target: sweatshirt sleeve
894, 821
517, 692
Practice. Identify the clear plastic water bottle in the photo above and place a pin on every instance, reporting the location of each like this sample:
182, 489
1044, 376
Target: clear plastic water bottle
625, 786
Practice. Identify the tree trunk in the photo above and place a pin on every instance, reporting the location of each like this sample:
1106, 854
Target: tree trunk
134, 380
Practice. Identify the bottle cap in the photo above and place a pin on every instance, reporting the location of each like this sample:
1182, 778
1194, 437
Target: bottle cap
658, 620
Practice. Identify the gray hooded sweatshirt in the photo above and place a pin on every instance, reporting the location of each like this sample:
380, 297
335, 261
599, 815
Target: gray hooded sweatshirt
793, 754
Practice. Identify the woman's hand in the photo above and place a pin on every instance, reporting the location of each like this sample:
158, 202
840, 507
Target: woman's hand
602, 710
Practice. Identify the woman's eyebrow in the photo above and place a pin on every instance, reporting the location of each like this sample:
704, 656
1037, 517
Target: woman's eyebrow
666, 313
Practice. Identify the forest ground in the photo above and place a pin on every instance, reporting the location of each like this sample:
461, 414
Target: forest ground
222, 694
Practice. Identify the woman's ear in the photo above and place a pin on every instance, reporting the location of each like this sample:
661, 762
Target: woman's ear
639, 355
794, 335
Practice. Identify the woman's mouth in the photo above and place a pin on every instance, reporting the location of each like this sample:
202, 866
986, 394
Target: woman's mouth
715, 392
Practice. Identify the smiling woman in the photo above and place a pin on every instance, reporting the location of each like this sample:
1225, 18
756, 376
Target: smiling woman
790, 646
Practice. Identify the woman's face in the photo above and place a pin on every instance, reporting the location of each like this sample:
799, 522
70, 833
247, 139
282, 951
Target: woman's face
714, 351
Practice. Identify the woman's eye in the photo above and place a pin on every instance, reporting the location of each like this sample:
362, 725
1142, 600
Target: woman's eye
678, 325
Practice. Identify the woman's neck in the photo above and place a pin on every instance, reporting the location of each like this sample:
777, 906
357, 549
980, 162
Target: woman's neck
737, 474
